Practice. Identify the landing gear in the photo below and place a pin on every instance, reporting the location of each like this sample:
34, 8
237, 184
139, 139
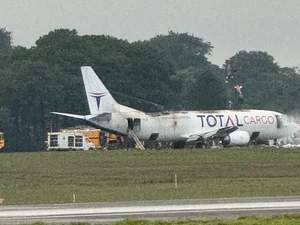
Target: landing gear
200, 145
179, 144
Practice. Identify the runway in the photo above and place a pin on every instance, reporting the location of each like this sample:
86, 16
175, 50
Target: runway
170, 210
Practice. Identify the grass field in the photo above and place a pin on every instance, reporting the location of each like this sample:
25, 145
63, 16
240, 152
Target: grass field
53, 177
250, 220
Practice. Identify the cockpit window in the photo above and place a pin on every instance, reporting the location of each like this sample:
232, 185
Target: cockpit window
286, 120
283, 121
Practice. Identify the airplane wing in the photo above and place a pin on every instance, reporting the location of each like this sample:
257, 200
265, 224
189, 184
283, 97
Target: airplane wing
222, 132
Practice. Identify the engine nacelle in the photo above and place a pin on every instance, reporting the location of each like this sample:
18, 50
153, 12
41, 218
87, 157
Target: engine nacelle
236, 138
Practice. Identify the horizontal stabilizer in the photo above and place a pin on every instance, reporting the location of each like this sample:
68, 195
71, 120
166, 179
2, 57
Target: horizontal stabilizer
70, 115
100, 117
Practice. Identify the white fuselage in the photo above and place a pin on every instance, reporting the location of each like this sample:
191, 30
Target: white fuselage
178, 126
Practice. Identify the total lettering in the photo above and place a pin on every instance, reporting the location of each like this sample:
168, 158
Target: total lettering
233, 120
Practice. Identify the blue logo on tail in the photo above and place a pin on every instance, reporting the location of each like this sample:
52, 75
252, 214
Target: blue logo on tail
98, 97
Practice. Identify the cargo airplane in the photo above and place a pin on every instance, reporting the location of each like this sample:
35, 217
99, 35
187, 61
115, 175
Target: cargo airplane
232, 127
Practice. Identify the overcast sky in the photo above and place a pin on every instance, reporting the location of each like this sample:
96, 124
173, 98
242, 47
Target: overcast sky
230, 25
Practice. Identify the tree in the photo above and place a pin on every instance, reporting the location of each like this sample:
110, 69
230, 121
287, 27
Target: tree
207, 92
47, 78
188, 54
30, 91
5, 38
265, 84
128, 68
181, 49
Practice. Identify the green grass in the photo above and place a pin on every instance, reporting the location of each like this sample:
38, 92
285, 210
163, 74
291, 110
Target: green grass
53, 177
250, 220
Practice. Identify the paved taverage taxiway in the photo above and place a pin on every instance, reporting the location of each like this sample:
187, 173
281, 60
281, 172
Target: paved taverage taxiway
177, 209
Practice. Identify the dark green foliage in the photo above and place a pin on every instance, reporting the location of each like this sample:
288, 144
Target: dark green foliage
182, 49
265, 84
207, 92
188, 54
5, 38
47, 78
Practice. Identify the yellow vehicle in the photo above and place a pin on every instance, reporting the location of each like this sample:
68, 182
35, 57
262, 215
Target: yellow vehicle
2, 141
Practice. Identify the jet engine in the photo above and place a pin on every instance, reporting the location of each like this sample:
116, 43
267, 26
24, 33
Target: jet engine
236, 138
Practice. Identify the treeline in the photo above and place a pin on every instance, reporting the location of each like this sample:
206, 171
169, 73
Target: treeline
171, 70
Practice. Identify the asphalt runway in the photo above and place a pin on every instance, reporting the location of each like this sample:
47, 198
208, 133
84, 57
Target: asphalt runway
152, 210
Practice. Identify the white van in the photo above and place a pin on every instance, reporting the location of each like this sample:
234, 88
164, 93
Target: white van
68, 141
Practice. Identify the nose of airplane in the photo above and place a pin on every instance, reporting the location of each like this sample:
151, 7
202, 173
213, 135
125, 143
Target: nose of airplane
295, 127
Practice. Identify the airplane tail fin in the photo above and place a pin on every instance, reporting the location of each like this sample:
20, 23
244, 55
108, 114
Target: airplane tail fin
99, 99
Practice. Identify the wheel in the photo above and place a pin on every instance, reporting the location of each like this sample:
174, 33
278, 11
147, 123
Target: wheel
179, 144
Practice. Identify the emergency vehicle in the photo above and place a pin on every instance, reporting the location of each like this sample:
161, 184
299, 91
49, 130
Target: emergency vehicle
68, 141
95, 136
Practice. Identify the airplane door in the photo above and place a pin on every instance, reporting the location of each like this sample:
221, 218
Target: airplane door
130, 123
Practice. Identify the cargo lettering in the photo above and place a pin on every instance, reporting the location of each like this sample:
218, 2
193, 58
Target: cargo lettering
233, 120
259, 120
